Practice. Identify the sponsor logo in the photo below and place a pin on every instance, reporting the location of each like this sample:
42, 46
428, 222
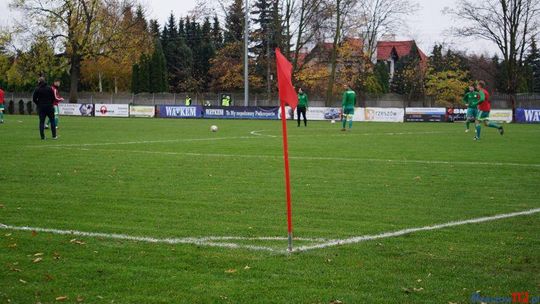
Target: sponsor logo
103, 110
181, 111
215, 112
516, 297
532, 115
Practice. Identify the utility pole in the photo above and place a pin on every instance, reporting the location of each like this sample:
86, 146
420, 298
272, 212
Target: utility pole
246, 58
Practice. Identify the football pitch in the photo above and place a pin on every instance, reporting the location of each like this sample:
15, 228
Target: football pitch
165, 211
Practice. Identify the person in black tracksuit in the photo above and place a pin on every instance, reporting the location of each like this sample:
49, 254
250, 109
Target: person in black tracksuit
44, 99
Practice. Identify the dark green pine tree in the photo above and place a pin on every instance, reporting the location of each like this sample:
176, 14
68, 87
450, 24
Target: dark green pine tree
135, 79
217, 34
532, 64
154, 28
383, 76
234, 22
158, 69
178, 56
406, 81
144, 73
261, 36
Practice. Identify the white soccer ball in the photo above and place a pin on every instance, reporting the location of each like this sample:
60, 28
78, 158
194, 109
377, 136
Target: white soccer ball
333, 121
214, 128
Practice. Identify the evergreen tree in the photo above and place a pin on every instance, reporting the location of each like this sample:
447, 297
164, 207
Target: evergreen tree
178, 56
383, 76
217, 35
135, 79
158, 69
532, 64
144, 74
234, 22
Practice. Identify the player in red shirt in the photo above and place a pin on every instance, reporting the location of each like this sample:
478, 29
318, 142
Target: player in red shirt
57, 99
484, 107
1, 105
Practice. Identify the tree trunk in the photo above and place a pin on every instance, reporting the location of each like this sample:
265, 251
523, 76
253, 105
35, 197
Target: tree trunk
333, 60
75, 73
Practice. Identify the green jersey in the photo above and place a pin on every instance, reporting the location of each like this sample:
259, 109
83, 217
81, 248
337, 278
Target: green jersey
303, 100
471, 99
349, 99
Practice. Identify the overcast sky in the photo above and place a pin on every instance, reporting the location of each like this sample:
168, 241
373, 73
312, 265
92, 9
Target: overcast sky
428, 26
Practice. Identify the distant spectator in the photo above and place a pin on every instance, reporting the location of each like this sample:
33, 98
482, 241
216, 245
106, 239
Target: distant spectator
302, 107
44, 99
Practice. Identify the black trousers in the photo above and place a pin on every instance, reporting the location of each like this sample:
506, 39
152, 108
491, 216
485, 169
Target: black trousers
301, 110
44, 112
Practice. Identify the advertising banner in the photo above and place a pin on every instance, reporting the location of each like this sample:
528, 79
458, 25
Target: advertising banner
425, 114
501, 115
180, 111
268, 113
456, 114
531, 116
111, 110
384, 114
76, 109
322, 113
142, 111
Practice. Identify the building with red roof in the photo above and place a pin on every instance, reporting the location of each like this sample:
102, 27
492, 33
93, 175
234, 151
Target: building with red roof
391, 51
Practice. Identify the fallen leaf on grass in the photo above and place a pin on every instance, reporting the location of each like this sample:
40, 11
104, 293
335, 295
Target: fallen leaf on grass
1, 206
14, 269
12, 245
230, 271
418, 289
48, 277
34, 233
56, 255
22, 281
247, 267
80, 299
61, 298
7, 234
418, 178
38, 254
37, 260
78, 242
336, 302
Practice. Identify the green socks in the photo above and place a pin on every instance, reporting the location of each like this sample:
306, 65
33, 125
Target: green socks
344, 121
494, 125
478, 130
1, 116
467, 124
350, 123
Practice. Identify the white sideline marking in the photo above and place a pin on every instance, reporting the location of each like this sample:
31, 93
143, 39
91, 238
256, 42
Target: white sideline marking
214, 241
364, 238
144, 142
389, 161
258, 133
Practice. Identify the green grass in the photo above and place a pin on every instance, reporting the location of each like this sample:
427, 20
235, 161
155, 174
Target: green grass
189, 182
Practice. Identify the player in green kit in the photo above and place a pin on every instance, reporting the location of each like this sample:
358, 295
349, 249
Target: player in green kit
471, 100
347, 105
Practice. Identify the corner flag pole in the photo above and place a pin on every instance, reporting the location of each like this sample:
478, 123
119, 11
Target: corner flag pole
287, 175
287, 94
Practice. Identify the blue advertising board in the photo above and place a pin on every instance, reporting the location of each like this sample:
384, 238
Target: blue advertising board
241, 112
180, 111
531, 116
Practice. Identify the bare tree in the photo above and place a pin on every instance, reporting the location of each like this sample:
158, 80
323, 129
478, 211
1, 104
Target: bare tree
341, 9
379, 17
510, 24
83, 29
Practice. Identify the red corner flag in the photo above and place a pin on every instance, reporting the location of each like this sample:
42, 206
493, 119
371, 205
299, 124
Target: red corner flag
287, 95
